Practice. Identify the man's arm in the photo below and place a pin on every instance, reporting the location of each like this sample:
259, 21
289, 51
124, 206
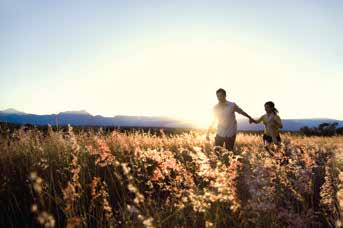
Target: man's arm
240, 111
210, 127
214, 119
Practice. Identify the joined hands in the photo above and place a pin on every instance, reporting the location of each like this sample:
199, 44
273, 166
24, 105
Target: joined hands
251, 120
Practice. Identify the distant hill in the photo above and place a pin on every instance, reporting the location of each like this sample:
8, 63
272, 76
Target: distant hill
79, 118
82, 117
12, 111
288, 124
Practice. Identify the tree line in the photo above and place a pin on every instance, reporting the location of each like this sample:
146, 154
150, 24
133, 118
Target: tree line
323, 129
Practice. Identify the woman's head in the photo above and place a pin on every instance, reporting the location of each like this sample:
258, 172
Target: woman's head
270, 107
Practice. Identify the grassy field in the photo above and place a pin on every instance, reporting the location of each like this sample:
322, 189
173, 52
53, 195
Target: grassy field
98, 179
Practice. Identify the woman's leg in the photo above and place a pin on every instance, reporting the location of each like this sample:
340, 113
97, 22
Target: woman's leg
267, 140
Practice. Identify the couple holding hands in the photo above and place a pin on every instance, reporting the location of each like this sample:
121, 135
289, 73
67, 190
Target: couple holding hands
224, 114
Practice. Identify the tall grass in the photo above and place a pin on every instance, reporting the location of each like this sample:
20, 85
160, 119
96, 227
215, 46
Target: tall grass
93, 179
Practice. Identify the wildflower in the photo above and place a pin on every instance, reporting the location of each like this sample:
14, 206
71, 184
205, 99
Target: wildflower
340, 176
34, 208
33, 176
73, 222
132, 209
209, 224
148, 222
46, 219
157, 175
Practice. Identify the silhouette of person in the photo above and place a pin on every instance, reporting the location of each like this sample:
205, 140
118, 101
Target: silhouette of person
224, 114
272, 123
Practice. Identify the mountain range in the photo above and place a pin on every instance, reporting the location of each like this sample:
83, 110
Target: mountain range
83, 118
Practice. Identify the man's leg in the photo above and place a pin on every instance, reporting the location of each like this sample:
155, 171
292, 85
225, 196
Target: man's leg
230, 142
219, 141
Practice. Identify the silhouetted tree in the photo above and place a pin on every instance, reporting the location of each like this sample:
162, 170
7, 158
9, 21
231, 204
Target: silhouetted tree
306, 130
339, 131
323, 129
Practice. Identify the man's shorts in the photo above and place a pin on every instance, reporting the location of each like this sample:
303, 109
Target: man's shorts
228, 141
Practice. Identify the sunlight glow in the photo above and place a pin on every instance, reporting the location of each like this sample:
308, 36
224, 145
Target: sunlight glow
179, 78
139, 59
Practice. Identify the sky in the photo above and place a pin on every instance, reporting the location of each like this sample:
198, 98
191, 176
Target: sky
167, 58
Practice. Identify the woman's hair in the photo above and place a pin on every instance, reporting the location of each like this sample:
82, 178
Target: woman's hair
272, 105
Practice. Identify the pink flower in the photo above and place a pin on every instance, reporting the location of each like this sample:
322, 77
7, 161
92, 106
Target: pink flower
157, 175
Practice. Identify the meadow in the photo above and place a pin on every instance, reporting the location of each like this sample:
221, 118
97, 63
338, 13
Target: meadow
139, 179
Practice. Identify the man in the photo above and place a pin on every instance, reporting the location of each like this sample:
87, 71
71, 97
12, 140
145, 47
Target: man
224, 113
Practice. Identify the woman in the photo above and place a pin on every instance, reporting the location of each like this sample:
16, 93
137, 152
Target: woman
272, 124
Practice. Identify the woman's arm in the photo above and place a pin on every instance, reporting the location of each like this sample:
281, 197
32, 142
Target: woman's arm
259, 120
277, 121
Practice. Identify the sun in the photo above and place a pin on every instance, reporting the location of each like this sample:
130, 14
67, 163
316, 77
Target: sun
201, 121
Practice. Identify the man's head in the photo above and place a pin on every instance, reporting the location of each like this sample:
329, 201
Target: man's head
221, 95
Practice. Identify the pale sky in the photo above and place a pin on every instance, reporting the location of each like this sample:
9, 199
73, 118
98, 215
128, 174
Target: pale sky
167, 58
